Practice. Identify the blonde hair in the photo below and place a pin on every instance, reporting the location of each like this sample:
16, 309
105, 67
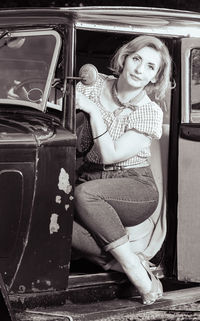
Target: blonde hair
158, 88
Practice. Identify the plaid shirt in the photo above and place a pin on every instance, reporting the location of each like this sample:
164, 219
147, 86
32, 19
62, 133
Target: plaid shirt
147, 119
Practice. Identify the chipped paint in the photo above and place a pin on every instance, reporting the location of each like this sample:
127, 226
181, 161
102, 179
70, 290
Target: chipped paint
58, 199
54, 226
63, 182
66, 207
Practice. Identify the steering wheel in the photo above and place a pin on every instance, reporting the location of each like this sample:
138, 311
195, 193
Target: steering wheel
29, 89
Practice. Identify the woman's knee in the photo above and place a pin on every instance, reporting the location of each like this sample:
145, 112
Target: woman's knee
80, 191
84, 192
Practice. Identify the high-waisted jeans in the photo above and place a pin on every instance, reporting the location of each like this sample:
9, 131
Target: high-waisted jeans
107, 202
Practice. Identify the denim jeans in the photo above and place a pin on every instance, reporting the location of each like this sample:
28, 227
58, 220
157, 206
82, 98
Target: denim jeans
107, 202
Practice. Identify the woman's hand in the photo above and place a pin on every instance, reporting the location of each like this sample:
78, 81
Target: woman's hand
84, 104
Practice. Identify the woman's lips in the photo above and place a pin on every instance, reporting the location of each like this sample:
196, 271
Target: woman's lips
135, 77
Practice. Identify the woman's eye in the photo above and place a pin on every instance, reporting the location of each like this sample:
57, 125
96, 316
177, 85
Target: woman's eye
135, 58
151, 67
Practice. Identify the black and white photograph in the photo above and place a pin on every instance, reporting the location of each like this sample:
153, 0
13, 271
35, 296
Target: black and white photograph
99, 160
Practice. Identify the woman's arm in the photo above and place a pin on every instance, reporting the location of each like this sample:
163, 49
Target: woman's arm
128, 145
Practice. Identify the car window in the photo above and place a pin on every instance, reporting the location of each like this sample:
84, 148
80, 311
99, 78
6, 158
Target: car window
195, 84
27, 66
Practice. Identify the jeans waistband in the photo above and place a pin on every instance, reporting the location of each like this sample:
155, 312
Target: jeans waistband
106, 167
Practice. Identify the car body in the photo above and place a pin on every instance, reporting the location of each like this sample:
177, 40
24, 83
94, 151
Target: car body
41, 52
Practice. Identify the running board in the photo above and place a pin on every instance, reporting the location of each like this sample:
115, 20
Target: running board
117, 310
80, 280
84, 288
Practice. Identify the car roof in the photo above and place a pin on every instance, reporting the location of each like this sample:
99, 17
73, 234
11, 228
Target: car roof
157, 20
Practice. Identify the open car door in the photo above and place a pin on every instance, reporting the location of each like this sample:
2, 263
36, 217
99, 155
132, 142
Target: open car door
188, 235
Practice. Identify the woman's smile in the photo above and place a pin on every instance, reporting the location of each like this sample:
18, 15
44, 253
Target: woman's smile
135, 77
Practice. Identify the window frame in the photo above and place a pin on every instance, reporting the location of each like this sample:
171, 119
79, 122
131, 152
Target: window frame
52, 67
188, 115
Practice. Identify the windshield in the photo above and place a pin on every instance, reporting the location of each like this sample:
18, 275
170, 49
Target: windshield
27, 66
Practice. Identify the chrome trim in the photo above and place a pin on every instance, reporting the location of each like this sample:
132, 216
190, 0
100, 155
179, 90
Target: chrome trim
185, 82
162, 30
89, 12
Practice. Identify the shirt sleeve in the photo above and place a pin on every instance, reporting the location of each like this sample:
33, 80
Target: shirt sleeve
85, 90
148, 120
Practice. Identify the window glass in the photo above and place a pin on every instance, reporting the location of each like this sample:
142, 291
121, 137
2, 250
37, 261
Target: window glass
195, 85
27, 63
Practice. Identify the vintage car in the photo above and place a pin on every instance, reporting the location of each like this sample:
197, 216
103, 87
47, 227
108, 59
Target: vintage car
41, 52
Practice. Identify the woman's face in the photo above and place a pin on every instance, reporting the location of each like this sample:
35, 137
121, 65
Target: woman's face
141, 67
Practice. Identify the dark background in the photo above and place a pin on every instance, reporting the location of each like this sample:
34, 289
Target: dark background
193, 5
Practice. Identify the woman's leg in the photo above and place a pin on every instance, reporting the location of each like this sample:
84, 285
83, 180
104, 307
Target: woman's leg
85, 246
105, 206
132, 267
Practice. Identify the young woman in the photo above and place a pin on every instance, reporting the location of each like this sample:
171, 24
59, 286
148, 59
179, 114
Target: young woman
118, 189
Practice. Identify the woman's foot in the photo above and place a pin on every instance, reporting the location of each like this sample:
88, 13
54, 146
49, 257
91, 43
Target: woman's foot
139, 273
156, 291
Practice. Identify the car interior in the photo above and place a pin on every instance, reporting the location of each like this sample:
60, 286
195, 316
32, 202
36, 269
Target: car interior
97, 48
